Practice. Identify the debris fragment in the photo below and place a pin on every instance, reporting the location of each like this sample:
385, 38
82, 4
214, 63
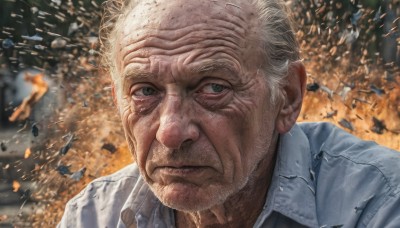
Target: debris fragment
7, 43
58, 43
110, 147
346, 124
32, 38
63, 170
78, 174
3, 146
378, 127
312, 87
35, 130
64, 150
377, 90
331, 114
327, 90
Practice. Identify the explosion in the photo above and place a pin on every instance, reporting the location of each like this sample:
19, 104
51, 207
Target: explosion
80, 138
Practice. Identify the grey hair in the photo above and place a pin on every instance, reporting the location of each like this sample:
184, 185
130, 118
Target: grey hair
114, 11
279, 45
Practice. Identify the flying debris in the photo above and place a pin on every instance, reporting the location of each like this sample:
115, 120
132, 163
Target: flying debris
3, 146
35, 130
78, 174
346, 124
32, 38
7, 43
377, 90
39, 47
64, 150
34, 10
63, 170
351, 36
344, 92
330, 114
327, 90
312, 87
378, 126
110, 147
58, 43
73, 27
93, 41
355, 17
378, 13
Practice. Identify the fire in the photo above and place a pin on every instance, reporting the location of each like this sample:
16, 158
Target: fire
27, 153
16, 185
39, 88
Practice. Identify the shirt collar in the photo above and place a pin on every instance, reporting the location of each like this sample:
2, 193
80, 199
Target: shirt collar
143, 209
292, 190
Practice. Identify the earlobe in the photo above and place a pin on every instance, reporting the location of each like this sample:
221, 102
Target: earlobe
293, 92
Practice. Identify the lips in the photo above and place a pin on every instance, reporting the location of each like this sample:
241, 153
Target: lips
183, 171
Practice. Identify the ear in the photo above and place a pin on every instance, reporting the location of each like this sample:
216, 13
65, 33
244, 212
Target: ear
293, 93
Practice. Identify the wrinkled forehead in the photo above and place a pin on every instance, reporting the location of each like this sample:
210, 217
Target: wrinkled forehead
177, 14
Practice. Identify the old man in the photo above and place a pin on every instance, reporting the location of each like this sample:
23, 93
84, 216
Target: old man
209, 93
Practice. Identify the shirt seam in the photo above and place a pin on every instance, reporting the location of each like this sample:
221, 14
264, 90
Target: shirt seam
387, 195
363, 163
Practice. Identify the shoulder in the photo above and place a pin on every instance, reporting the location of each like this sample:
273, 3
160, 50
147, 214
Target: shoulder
101, 201
119, 181
358, 177
335, 142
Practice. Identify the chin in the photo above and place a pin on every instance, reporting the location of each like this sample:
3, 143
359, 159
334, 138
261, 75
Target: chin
189, 197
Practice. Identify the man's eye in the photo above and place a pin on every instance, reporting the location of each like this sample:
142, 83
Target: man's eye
145, 91
213, 88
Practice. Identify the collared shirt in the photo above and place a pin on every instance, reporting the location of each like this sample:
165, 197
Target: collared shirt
323, 177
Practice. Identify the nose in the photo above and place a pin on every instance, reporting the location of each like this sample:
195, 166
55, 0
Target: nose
176, 126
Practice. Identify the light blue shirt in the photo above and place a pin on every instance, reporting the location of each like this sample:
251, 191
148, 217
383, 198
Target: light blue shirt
323, 177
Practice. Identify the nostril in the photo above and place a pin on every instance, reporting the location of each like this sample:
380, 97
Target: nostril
187, 142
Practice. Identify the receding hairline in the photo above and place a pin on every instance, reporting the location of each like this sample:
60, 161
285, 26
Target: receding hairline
278, 44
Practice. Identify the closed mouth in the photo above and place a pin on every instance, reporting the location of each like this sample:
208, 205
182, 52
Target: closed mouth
180, 170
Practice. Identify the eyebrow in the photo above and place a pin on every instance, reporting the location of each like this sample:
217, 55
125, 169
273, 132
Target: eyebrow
136, 74
214, 67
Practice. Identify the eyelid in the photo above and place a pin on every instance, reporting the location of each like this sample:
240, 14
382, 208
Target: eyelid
140, 85
209, 80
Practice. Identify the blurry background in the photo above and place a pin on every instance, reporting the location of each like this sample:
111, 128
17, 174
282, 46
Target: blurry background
58, 125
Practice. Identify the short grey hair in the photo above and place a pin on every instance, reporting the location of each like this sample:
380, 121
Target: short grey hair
279, 45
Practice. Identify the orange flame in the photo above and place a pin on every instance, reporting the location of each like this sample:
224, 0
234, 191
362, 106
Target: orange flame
16, 185
27, 153
39, 88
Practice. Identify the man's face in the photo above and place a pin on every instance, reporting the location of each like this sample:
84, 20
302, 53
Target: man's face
193, 100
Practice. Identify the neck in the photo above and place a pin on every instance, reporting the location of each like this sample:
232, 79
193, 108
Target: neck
239, 210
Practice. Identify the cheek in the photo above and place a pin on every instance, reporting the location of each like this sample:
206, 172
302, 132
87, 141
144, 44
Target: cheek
127, 119
246, 127
137, 131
